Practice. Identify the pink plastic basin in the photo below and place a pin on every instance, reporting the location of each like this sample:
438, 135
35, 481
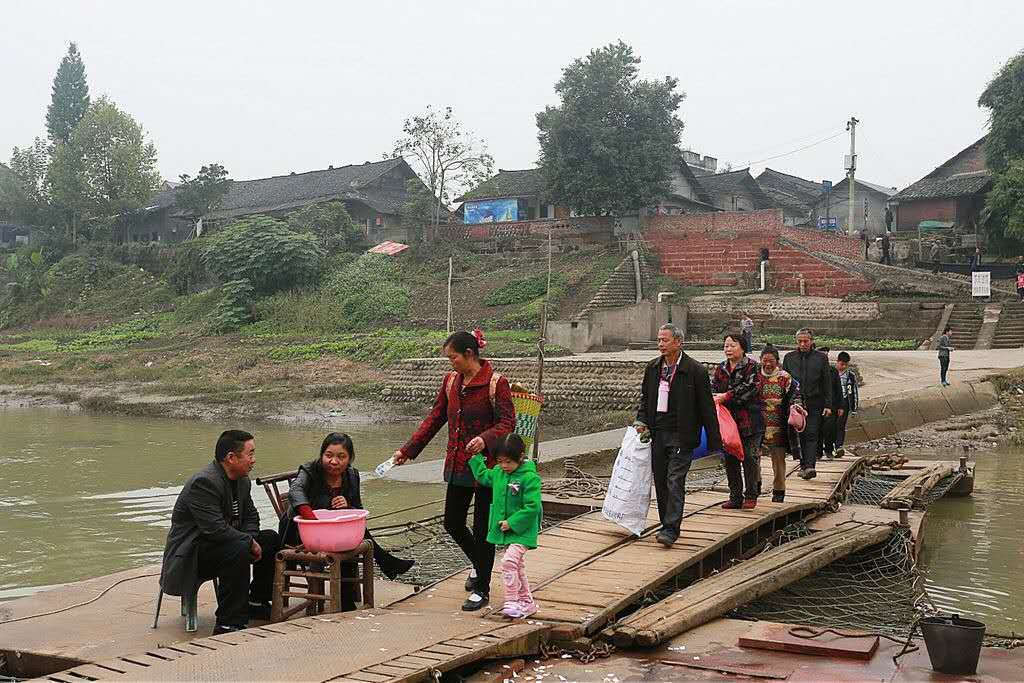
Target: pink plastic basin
333, 531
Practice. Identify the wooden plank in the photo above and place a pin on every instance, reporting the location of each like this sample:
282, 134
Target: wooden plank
722, 664
742, 583
368, 677
903, 494
167, 653
393, 670
770, 636
414, 659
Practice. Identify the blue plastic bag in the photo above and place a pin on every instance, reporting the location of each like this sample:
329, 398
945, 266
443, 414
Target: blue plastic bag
701, 450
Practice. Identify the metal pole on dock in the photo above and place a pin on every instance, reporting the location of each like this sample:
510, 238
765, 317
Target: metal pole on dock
540, 350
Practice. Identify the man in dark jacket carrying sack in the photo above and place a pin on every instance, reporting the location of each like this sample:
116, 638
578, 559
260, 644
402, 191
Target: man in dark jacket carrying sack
215, 532
675, 403
812, 370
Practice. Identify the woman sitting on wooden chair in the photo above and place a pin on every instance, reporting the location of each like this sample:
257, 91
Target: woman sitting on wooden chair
330, 482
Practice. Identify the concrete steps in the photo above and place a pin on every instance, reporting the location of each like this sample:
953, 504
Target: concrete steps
966, 322
1010, 329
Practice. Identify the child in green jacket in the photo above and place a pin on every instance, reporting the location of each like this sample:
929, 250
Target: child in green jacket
515, 517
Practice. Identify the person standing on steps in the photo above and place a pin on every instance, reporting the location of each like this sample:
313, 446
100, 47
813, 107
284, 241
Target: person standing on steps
735, 387
747, 325
675, 403
945, 346
886, 246
476, 403
812, 371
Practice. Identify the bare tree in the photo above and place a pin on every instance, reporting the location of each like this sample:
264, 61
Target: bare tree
449, 158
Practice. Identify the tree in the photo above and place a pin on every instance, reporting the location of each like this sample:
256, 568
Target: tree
331, 225
106, 170
70, 98
24, 195
1004, 207
611, 144
198, 196
264, 252
447, 157
418, 211
1004, 155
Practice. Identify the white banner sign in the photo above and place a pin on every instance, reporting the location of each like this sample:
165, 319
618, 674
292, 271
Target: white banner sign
981, 283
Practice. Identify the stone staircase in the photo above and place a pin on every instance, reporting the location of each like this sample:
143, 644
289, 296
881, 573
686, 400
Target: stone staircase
706, 261
966, 322
620, 288
1010, 329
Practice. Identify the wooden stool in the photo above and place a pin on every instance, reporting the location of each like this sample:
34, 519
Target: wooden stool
322, 571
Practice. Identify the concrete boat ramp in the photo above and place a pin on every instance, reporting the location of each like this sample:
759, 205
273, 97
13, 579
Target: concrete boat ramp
585, 574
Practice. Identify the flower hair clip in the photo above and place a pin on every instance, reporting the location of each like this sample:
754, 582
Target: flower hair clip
480, 341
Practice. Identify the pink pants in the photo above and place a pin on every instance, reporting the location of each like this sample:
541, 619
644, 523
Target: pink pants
513, 573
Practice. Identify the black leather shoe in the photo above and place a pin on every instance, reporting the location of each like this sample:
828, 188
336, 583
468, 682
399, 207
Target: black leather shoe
259, 610
470, 584
226, 628
472, 605
778, 496
397, 568
665, 539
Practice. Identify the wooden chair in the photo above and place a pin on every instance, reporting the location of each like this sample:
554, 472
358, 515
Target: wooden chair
323, 580
321, 572
278, 500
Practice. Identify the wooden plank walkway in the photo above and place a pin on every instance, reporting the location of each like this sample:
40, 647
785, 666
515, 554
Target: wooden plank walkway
585, 571
372, 645
588, 569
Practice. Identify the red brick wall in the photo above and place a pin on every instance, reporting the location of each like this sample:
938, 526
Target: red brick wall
717, 249
910, 213
816, 240
726, 224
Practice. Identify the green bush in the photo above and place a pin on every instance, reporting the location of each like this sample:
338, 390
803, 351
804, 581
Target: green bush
264, 252
369, 292
330, 223
527, 289
235, 307
187, 273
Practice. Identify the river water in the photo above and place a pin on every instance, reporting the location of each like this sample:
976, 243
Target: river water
82, 496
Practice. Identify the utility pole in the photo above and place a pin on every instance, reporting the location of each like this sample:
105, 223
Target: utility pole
451, 271
851, 166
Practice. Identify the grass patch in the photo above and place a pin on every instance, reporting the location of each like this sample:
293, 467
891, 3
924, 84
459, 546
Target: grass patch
844, 344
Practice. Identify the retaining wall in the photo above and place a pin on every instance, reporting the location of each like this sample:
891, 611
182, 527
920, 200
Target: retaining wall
834, 318
615, 385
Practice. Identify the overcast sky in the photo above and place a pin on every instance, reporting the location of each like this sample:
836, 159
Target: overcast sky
266, 88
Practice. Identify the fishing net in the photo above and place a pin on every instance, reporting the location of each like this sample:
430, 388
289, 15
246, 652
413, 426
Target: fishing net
872, 487
878, 589
576, 483
426, 541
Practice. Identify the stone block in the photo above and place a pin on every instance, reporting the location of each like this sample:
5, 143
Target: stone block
932, 404
961, 399
876, 428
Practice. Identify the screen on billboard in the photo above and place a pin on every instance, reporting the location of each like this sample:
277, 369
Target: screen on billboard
491, 211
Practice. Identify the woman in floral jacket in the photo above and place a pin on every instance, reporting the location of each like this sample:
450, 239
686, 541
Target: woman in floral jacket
735, 387
476, 403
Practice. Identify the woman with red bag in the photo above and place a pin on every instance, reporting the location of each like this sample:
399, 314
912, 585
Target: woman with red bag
735, 388
476, 403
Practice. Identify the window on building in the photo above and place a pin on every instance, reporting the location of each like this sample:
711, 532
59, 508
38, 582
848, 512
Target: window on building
544, 211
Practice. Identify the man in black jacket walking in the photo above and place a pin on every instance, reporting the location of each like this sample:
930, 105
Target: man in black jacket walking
215, 532
812, 370
675, 403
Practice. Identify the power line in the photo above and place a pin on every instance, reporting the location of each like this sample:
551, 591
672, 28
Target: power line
798, 149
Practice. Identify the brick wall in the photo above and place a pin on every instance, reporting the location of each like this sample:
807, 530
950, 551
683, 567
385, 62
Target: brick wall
816, 240
568, 234
723, 249
910, 213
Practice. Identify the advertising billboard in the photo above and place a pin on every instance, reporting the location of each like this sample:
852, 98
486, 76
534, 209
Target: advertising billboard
491, 211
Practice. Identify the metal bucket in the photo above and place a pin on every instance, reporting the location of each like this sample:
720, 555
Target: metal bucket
953, 644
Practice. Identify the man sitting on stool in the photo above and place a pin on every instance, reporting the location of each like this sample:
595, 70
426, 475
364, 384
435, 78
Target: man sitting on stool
215, 532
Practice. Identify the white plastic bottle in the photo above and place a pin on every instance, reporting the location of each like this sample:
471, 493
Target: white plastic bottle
382, 469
